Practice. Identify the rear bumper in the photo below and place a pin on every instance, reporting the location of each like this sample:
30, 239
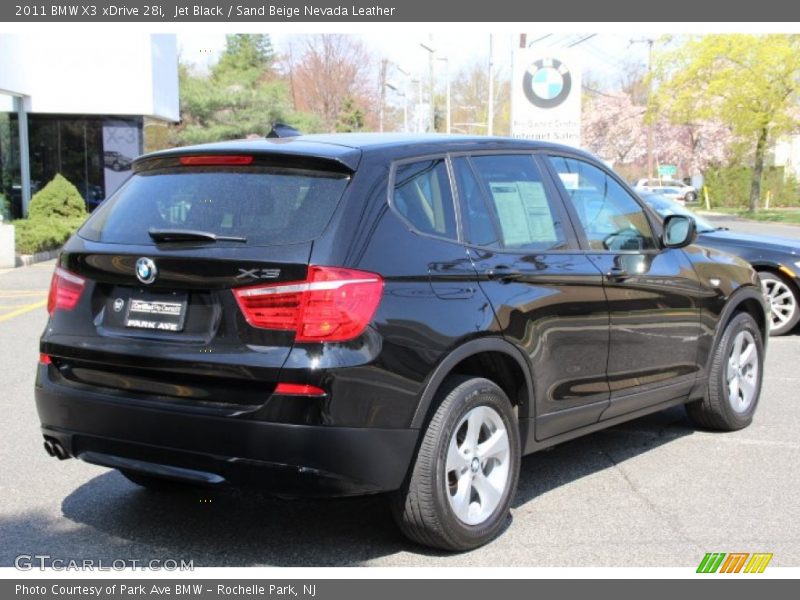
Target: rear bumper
285, 459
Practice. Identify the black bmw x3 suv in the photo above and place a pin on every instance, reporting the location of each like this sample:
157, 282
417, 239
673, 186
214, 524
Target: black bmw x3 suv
354, 314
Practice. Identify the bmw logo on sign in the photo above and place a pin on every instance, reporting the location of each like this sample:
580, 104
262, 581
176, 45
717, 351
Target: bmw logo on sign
547, 83
146, 271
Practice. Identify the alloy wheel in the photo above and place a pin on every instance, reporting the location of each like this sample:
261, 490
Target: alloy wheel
782, 302
478, 465
742, 371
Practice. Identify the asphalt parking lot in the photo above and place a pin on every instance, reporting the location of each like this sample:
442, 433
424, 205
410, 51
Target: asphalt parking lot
652, 492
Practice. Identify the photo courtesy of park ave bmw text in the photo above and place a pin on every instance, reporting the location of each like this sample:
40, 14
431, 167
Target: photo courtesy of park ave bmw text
296, 295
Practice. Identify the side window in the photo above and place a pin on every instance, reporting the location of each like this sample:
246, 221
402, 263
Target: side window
479, 229
611, 218
422, 195
526, 216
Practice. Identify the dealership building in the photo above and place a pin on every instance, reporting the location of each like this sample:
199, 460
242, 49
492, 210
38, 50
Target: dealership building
78, 106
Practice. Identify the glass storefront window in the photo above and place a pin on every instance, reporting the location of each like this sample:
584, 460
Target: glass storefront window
93, 153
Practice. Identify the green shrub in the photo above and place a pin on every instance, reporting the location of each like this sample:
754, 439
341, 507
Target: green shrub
730, 187
40, 234
58, 199
5, 208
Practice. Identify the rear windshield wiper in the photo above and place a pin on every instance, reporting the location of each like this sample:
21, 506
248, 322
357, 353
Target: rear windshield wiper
190, 235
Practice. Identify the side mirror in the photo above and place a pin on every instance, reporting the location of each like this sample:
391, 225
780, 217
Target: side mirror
679, 231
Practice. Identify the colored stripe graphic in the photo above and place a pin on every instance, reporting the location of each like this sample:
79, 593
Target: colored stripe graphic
711, 562
734, 562
758, 562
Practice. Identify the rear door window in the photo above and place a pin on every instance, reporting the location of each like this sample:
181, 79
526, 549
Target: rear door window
528, 217
266, 205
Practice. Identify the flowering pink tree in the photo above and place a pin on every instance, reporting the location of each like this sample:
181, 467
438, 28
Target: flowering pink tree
692, 147
613, 127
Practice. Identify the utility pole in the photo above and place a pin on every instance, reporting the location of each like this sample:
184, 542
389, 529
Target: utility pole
649, 42
407, 91
418, 115
490, 119
384, 63
431, 51
404, 96
447, 93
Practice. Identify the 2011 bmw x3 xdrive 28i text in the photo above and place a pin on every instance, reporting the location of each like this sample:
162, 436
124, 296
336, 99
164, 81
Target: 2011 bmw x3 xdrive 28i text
355, 314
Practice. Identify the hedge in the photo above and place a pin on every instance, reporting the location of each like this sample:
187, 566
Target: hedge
38, 235
730, 187
55, 213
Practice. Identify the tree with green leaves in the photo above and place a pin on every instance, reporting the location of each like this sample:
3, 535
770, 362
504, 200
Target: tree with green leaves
247, 58
748, 82
243, 95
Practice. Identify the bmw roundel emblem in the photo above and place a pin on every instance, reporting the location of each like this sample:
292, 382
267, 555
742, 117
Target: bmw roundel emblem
547, 83
146, 270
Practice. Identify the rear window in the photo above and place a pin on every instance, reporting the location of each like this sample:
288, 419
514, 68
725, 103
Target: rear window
267, 205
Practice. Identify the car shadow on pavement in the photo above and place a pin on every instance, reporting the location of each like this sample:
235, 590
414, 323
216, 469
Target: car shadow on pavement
246, 528
608, 448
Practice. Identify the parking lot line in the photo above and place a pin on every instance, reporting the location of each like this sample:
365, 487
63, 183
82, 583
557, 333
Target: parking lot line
22, 310
21, 293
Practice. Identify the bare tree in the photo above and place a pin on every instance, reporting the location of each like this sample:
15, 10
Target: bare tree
470, 100
331, 76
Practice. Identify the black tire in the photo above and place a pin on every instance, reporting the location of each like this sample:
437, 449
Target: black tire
766, 278
422, 508
158, 484
116, 166
715, 410
691, 196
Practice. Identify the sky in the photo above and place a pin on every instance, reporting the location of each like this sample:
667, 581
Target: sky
601, 56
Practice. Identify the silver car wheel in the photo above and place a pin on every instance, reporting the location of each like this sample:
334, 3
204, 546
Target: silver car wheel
782, 302
477, 466
742, 372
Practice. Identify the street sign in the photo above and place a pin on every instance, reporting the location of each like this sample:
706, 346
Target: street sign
667, 170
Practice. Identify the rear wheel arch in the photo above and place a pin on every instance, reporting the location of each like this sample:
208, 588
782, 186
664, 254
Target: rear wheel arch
492, 358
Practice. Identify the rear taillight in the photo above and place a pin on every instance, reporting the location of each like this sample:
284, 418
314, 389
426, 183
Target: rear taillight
65, 290
331, 305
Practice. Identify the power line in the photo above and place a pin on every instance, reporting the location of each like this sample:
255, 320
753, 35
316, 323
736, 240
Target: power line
583, 39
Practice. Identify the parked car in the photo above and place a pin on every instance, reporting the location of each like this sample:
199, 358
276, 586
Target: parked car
682, 190
777, 261
358, 314
116, 161
671, 193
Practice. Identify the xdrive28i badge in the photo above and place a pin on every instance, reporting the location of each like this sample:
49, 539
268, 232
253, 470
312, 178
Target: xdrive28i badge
146, 270
547, 83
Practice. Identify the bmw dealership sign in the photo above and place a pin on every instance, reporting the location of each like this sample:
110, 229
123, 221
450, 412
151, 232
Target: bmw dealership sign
546, 97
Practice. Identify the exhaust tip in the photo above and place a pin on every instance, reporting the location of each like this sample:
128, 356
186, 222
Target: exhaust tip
54, 448
60, 451
48, 447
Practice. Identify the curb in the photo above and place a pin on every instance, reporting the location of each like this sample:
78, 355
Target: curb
26, 260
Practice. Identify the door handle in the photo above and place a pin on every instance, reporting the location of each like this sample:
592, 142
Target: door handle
502, 272
617, 274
